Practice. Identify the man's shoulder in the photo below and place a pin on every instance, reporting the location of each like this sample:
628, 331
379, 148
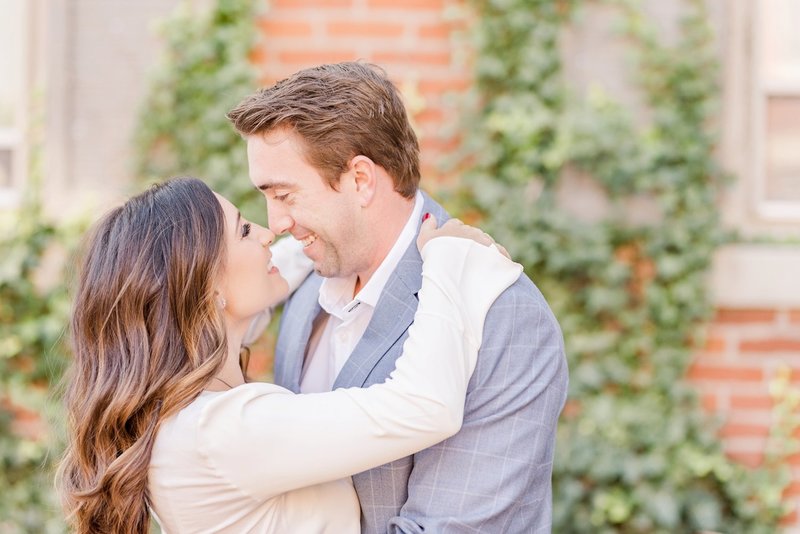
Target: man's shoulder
521, 293
519, 307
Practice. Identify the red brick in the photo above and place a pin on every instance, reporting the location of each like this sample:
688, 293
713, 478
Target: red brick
571, 409
744, 430
770, 345
749, 459
407, 4
365, 29
285, 28
709, 402
434, 180
414, 57
715, 345
793, 489
443, 86
34, 429
713, 372
751, 402
791, 517
258, 56
435, 31
430, 114
316, 57
744, 315
311, 3
441, 144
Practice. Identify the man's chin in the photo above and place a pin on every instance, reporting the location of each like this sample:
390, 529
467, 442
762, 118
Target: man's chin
323, 272
326, 271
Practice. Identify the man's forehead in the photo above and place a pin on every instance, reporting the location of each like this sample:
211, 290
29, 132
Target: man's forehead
274, 138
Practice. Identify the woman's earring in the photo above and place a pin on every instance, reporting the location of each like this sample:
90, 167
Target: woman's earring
222, 302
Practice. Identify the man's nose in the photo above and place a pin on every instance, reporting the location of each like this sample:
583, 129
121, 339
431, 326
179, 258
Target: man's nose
278, 218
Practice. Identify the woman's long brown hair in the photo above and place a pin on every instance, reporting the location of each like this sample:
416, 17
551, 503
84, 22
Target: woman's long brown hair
147, 336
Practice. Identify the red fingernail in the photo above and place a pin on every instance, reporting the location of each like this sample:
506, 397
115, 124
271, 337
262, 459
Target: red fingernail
425, 217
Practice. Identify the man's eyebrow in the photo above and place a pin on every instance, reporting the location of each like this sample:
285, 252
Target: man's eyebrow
274, 185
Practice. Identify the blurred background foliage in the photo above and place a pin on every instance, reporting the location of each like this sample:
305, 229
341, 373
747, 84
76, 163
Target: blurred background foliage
635, 451
34, 310
204, 73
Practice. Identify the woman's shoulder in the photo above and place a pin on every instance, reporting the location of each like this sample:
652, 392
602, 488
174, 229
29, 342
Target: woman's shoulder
238, 396
226, 410
198, 412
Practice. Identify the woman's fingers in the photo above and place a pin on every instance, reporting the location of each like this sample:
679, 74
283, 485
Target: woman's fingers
454, 228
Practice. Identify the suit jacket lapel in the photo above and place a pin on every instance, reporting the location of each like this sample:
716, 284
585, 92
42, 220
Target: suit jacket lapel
394, 312
296, 322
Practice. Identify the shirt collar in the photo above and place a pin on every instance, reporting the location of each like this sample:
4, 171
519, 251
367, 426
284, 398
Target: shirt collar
334, 293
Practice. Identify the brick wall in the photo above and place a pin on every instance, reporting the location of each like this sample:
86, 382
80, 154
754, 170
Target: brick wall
413, 41
745, 350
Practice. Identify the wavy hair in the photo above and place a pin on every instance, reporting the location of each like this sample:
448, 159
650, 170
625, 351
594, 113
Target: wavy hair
147, 336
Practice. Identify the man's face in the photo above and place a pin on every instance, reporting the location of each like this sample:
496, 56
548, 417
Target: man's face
301, 202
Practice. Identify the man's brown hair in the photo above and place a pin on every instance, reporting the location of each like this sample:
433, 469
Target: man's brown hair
339, 111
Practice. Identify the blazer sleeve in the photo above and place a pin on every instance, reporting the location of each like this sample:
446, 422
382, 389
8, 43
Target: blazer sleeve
266, 440
495, 474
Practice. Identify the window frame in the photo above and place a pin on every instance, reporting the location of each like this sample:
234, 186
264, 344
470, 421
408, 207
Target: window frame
15, 137
763, 89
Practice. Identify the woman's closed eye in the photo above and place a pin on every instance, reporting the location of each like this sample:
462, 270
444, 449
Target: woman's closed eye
246, 229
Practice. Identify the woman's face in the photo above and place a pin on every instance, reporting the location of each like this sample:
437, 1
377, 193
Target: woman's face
250, 283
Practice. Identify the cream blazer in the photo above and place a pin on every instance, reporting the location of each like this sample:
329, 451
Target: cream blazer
259, 458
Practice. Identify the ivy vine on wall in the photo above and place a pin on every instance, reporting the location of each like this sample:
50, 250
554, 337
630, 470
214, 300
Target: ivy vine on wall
205, 71
635, 452
34, 310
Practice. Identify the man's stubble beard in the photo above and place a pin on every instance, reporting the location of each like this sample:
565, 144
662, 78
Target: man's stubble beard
349, 258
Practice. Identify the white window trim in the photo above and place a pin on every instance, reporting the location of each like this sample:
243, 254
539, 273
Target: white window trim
11, 138
16, 138
768, 209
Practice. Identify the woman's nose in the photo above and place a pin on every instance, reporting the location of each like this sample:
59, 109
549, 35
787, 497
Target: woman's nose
267, 237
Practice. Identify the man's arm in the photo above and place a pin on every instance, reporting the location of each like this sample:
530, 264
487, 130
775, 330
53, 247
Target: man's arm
495, 474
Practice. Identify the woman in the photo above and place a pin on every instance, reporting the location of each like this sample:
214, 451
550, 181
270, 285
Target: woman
160, 416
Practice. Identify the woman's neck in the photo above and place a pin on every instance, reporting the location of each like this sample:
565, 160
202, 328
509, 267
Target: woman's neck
230, 375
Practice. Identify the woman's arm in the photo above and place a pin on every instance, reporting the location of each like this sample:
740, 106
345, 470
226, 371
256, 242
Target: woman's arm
267, 441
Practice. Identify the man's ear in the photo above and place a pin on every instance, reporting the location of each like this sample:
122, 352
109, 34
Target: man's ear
366, 178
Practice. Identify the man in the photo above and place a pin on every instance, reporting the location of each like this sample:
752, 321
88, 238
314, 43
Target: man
333, 152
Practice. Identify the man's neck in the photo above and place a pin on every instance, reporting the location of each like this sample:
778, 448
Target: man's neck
393, 218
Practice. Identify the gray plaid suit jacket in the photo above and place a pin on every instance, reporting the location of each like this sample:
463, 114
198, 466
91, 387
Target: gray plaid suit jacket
494, 476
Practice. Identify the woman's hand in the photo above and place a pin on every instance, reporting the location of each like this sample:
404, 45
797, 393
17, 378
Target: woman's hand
455, 228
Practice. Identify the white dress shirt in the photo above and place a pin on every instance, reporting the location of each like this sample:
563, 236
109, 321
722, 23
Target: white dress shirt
349, 316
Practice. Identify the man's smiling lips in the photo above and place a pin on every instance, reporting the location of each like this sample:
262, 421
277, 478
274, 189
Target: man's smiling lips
308, 240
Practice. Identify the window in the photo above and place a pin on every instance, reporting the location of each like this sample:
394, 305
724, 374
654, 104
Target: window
777, 108
13, 99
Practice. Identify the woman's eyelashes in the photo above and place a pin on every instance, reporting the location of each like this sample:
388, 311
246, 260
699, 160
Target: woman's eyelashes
246, 230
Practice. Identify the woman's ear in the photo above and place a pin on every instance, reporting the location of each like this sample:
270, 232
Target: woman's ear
365, 176
221, 302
